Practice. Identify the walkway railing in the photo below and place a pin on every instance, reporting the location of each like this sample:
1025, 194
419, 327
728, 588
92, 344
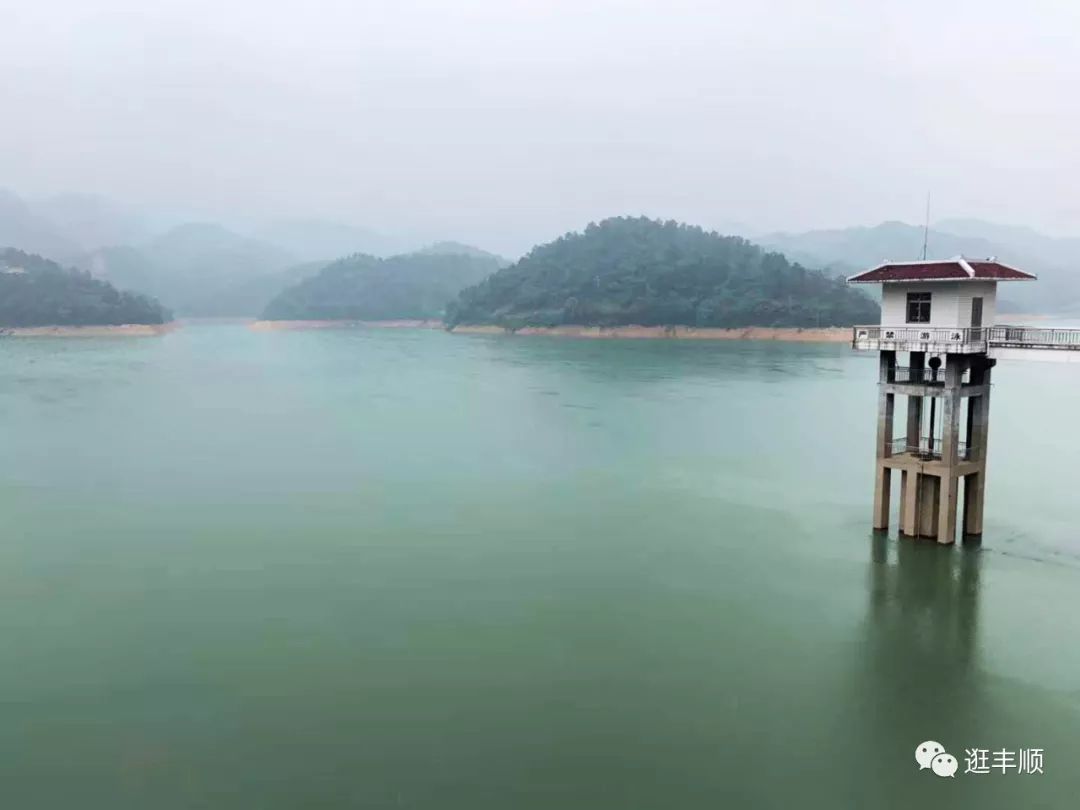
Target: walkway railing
928, 450
972, 338
1026, 337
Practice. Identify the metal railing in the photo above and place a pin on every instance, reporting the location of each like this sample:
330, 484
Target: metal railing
920, 334
915, 374
928, 450
1027, 337
971, 337
924, 375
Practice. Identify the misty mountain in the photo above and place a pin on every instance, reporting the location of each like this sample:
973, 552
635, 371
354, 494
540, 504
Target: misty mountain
313, 239
848, 250
22, 227
249, 298
367, 288
35, 291
451, 248
1053, 250
91, 221
194, 268
64, 226
626, 271
859, 248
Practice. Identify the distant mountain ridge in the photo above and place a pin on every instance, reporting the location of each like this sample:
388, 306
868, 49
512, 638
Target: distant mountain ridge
63, 226
638, 271
198, 269
451, 248
847, 250
206, 269
192, 267
410, 286
25, 229
313, 239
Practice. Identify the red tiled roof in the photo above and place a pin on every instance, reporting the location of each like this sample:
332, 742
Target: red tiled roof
958, 269
999, 271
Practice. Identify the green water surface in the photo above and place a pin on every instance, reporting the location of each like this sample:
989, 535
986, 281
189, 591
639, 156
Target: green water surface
395, 568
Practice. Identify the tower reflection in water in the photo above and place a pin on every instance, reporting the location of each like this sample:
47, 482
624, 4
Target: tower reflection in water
924, 675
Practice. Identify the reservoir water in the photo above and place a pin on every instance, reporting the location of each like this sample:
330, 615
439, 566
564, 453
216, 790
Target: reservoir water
407, 569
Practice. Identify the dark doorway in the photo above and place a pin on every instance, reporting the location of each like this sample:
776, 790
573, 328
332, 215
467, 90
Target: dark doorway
976, 312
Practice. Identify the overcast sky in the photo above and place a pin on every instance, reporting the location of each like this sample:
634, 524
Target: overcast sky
504, 122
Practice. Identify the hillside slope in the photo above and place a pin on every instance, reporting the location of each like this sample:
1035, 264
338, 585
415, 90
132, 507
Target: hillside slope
360, 287
37, 292
626, 271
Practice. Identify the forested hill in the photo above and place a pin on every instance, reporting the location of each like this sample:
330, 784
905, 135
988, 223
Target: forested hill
37, 292
640, 271
366, 288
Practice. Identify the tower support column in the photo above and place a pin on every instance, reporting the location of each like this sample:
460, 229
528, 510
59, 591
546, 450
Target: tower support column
978, 435
929, 497
915, 403
948, 481
909, 503
882, 473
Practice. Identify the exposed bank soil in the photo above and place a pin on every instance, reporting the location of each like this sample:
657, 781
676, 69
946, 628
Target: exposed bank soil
839, 334
122, 330
276, 326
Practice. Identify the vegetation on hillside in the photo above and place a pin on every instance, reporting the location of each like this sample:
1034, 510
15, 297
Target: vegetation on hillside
640, 271
250, 298
366, 288
37, 292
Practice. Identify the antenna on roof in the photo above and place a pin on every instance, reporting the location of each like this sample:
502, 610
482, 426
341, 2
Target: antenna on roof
926, 227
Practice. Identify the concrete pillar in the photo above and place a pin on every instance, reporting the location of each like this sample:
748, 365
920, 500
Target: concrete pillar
979, 412
948, 483
903, 497
886, 374
915, 404
883, 475
978, 435
882, 493
950, 408
946, 533
974, 498
914, 420
929, 498
909, 504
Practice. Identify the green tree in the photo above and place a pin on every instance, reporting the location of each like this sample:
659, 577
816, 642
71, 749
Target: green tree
646, 272
37, 292
366, 288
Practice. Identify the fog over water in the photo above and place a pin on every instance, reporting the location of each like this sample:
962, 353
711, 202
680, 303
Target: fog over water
505, 123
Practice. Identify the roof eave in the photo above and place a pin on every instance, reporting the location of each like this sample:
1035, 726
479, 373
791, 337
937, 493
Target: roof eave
857, 280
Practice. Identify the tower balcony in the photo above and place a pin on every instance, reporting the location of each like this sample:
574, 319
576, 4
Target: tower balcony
928, 449
929, 339
961, 340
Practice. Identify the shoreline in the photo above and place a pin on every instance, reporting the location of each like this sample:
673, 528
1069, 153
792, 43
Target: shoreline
286, 326
100, 330
836, 334
788, 334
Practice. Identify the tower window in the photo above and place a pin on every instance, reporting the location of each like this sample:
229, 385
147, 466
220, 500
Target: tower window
918, 307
